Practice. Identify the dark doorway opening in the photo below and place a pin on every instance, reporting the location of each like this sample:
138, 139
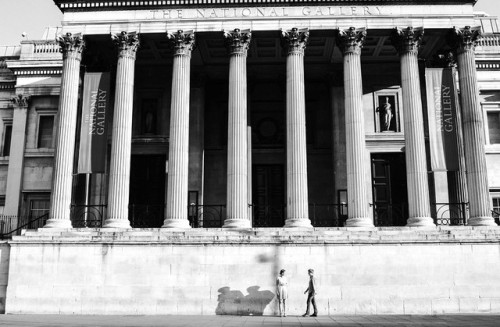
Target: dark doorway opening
390, 197
147, 191
268, 196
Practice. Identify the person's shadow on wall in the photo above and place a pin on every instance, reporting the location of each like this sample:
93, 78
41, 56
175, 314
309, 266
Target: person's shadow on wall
235, 303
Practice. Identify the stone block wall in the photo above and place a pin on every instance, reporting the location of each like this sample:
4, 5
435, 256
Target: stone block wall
165, 273
4, 273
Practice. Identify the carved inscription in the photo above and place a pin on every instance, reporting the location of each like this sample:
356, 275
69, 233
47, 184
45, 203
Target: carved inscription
267, 12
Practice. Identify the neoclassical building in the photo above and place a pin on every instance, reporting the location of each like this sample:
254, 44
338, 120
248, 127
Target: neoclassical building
180, 125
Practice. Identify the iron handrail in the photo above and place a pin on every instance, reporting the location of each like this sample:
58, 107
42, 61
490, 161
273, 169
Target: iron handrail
3, 235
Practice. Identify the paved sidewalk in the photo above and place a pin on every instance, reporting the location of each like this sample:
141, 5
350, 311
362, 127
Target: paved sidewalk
230, 321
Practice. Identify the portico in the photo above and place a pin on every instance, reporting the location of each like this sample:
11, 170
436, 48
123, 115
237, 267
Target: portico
258, 68
245, 137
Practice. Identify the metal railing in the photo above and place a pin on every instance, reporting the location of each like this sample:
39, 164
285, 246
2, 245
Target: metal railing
13, 225
206, 216
388, 215
328, 215
451, 214
146, 215
87, 215
268, 215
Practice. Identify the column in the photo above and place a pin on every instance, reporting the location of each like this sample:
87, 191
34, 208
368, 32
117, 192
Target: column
119, 171
178, 153
350, 43
464, 41
237, 43
297, 208
16, 156
60, 201
407, 41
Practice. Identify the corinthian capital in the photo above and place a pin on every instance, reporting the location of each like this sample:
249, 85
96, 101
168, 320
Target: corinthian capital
464, 39
20, 101
295, 40
351, 40
127, 43
71, 44
407, 40
237, 41
183, 42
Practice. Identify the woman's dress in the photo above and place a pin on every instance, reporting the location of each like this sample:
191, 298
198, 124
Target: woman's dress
281, 288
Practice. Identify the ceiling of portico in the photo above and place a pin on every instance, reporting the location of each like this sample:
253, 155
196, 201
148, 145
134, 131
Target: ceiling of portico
265, 48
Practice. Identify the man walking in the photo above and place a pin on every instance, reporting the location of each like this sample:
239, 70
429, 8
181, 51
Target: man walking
311, 293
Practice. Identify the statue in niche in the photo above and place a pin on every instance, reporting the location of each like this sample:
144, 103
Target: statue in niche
149, 111
386, 113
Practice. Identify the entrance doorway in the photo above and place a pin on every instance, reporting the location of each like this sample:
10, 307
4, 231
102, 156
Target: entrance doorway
268, 196
147, 191
390, 197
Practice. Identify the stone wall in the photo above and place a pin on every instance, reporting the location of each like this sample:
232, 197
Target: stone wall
4, 272
403, 271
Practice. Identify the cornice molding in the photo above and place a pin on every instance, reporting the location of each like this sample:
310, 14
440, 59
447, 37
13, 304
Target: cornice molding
92, 5
38, 72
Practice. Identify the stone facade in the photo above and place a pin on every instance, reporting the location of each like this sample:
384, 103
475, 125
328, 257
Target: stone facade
284, 122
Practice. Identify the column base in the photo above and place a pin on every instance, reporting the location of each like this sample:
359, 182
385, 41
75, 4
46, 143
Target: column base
237, 223
420, 222
359, 222
481, 221
298, 223
58, 223
116, 223
176, 223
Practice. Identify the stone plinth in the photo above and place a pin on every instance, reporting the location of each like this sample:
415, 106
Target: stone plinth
225, 271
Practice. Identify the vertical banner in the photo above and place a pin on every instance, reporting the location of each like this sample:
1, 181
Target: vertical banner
442, 114
93, 134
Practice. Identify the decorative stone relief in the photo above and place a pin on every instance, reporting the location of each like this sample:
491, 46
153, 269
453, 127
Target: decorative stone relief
71, 44
21, 101
407, 40
183, 42
127, 43
464, 39
351, 40
237, 41
295, 40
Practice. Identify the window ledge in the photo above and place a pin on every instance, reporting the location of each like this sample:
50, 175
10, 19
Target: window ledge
492, 149
42, 152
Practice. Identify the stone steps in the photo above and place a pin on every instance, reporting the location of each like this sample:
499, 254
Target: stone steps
343, 235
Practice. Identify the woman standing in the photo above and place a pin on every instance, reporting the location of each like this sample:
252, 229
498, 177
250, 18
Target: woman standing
282, 292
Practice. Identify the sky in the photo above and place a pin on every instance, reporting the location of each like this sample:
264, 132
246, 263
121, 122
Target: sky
32, 16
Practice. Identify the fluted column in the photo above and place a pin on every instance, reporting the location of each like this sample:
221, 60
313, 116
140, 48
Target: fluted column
297, 208
178, 154
60, 201
119, 171
407, 42
350, 43
16, 156
237, 43
464, 40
